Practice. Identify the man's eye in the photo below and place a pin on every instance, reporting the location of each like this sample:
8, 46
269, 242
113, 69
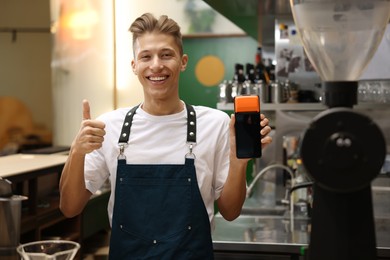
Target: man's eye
143, 57
166, 55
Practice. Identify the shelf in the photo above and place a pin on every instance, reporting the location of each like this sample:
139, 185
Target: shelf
302, 106
43, 218
64, 228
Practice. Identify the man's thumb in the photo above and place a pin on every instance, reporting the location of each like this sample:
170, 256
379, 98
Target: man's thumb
86, 110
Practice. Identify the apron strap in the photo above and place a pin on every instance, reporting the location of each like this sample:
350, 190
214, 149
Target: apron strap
191, 125
125, 133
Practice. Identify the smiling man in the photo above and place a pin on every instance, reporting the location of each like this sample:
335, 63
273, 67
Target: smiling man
158, 61
168, 161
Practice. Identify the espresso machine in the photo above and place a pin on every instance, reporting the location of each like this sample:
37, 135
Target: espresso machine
342, 149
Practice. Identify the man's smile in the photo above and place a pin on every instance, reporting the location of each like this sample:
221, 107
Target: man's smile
157, 78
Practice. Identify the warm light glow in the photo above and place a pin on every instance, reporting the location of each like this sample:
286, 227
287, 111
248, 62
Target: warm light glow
78, 19
81, 23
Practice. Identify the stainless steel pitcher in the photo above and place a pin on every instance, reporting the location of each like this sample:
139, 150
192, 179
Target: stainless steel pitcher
10, 218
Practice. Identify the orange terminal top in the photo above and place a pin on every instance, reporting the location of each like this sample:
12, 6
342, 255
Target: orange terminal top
246, 104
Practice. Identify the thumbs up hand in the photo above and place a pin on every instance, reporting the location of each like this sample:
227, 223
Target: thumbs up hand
86, 110
91, 134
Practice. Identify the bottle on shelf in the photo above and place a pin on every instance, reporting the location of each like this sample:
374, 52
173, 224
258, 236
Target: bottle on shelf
223, 93
250, 72
261, 71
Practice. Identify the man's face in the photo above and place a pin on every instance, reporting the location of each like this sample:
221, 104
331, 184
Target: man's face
158, 63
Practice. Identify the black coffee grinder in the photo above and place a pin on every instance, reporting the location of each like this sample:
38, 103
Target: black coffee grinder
342, 150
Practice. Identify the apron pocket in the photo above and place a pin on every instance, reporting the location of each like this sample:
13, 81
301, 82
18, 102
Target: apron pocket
136, 247
154, 208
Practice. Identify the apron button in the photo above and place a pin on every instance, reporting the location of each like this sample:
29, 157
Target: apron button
189, 179
189, 227
121, 226
154, 241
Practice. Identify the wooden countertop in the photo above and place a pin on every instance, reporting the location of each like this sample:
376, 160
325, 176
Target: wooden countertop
16, 164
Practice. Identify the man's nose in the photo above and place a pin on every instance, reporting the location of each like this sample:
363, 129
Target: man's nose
156, 63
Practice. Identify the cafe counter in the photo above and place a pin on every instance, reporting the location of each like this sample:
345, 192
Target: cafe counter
276, 237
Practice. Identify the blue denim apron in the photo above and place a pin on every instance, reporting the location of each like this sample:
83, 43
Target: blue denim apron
158, 211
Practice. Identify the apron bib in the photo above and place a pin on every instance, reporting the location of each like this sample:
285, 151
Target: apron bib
158, 211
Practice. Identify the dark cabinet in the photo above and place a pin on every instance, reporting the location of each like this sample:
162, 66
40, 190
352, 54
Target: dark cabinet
41, 217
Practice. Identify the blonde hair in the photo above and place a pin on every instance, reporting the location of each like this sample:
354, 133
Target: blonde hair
147, 23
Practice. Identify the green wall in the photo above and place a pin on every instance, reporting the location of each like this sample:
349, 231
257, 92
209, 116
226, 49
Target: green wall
242, 13
231, 50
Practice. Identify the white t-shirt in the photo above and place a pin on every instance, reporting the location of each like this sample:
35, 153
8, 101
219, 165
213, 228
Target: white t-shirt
162, 140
